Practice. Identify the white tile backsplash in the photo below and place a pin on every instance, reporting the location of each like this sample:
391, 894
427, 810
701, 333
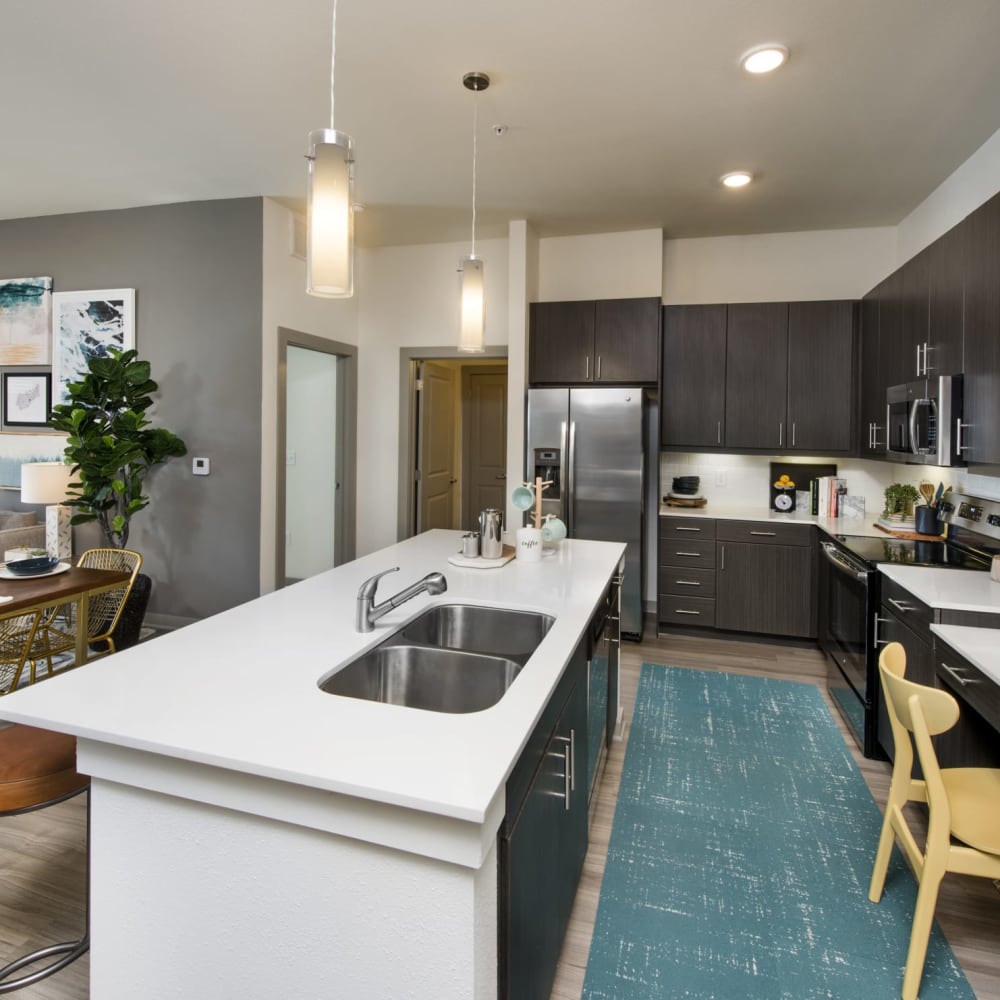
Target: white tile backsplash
736, 480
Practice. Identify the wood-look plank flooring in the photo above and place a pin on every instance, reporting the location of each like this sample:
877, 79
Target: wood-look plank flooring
968, 908
42, 860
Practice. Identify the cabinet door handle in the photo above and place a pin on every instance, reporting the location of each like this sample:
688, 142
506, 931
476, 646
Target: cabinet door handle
687, 583
692, 555
682, 611
764, 534
722, 554
793, 433
682, 527
959, 445
781, 435
952, 672
901, 605
598, 366
586, 370
876, 641
918, 360
718, 432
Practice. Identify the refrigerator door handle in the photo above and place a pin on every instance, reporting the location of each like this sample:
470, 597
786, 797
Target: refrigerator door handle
571, 480
563, 481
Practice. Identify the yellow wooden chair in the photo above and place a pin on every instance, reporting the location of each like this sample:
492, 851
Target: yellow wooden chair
17, 633
57, 632
963, 803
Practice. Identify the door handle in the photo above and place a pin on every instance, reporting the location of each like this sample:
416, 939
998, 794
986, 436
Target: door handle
598, 366
503, 475
586, 369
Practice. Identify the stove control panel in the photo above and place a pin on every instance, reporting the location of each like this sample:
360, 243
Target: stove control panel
975, 514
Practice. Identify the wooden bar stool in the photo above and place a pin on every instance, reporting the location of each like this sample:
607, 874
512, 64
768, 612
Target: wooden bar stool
38, 769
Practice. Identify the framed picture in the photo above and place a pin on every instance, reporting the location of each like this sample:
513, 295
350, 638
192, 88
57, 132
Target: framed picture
27, 399
19, 449
25, 321
84, 326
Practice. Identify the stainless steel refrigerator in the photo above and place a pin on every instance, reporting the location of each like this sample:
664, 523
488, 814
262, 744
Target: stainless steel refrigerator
591, 444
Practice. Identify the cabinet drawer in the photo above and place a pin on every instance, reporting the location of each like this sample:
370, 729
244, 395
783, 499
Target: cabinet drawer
686, 610
687, 582
687, 527
687, 552
764, 531
907, 608
967, 682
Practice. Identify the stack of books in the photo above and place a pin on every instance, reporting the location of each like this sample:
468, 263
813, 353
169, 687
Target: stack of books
826, 496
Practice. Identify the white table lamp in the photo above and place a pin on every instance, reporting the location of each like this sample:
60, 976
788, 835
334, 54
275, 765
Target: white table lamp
47, 482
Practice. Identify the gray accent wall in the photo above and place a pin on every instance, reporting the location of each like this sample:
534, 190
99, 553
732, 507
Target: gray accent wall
196, 269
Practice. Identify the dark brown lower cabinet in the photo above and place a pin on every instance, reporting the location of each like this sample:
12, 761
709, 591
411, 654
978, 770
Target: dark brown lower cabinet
765, 578
975, 739
544, 841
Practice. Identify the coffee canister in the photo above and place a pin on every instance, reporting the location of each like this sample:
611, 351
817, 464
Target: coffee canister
529, 544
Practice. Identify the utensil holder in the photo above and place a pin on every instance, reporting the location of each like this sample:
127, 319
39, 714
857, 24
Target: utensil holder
925, 520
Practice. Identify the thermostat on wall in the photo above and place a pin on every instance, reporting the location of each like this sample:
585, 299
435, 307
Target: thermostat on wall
201, 466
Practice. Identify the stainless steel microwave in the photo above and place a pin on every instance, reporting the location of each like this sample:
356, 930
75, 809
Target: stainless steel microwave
924, 421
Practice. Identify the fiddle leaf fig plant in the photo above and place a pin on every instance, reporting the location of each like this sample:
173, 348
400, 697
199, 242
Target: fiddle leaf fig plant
112, 444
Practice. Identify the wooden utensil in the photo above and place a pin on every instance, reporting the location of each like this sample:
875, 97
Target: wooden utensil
927, 492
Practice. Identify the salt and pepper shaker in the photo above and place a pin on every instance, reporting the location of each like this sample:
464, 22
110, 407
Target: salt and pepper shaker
470, 545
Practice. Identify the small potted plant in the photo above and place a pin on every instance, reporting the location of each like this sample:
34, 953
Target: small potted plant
112, 446
899, 501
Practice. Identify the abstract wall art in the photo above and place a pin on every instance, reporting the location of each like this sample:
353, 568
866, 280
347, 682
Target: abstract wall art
25, 321
84, 326
19, 449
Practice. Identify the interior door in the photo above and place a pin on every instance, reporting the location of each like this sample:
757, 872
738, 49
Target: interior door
436, 447
484, 432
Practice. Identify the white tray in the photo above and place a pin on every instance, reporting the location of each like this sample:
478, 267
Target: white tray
478, 562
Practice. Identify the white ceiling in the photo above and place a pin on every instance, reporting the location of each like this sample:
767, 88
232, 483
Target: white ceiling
620, 114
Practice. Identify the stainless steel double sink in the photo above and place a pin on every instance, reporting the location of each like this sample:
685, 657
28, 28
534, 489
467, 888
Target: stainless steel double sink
453, 658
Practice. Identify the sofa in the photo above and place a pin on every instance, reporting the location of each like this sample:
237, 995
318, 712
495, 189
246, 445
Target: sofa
20, 530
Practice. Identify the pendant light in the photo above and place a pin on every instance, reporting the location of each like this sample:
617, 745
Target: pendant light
472, 326
330, 206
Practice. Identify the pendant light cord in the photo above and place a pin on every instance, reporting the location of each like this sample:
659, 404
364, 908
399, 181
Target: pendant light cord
475, 136
333, 58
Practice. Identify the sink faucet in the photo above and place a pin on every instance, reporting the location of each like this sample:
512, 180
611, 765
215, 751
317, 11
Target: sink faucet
369, 612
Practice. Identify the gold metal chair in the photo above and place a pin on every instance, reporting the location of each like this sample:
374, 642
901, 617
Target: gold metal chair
17, 633
57, 632
963, 832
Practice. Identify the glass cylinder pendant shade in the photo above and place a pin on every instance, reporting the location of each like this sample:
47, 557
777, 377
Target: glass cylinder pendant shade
330, 215
472, 331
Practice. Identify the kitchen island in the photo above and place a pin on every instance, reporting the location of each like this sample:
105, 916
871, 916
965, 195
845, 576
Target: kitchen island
254, 836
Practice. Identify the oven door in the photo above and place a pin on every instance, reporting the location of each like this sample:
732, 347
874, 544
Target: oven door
845, 625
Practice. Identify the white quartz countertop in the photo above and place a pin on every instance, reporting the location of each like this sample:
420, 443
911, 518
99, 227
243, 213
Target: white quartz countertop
832, 525
240, 690
980, 646
947, 589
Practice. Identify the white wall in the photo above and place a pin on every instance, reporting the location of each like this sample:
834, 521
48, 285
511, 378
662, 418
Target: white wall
602, 266
769, 267
973, 183
409, 298
285, 303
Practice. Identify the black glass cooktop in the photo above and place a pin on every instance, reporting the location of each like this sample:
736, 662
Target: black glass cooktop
912, 552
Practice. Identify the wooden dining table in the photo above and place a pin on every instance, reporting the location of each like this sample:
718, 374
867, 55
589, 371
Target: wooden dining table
74, 586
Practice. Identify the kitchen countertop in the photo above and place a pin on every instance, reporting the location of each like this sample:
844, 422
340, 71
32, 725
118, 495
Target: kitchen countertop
239, 691
980, 646
831, 525
948, 589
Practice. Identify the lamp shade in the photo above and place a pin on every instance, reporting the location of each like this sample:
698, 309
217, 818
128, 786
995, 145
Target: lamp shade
472, 329
330, 215
44, 482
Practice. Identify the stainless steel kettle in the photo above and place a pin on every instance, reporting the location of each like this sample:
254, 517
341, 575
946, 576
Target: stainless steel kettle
490, 533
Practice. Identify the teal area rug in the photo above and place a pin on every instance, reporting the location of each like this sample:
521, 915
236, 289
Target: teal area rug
741, 852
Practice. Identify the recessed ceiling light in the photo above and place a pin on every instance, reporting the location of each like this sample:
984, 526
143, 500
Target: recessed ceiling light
764, 58
737, 179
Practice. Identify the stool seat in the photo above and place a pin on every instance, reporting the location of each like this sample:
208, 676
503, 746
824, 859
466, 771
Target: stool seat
37, 767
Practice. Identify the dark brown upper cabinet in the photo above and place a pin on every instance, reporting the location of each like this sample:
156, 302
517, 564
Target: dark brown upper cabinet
981, 422
871, 378
756, 375
609, 341
821, 338
946, 302
693, 376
